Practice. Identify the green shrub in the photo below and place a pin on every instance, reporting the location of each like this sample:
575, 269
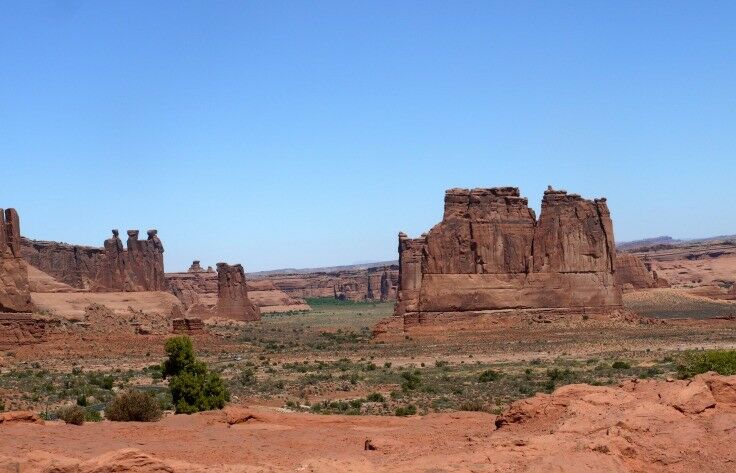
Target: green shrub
198, 389
721, 361
247, 376
488, 375
409, 410
620, 365
193, 387
92, 416
412, 380
375, 397
72, 415
181, 355
133, 406
82, 400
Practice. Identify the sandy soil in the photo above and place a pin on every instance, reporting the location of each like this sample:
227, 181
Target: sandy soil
72, 305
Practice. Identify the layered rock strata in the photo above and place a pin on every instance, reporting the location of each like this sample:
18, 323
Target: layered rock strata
491, 253
371, 284
138, 266
187, 326
73, 265
15, 295
232, 294
199, 289
17, 325
231, 301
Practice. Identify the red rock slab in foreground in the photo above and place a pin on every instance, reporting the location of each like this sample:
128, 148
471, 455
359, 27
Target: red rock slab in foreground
641, 426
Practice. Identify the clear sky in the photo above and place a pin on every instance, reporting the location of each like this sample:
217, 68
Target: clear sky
300, 133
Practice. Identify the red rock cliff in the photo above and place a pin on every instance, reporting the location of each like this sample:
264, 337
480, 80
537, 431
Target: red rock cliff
491, 253
15, 295
633, 273
232, 294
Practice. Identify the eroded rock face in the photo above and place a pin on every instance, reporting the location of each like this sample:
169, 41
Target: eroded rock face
15, 294
74, 265
198, 292
634, 273
137, 266
379, 283
491, 253
232, 294
195, 267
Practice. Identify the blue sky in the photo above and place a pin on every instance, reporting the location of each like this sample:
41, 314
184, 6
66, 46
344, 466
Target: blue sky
293, 134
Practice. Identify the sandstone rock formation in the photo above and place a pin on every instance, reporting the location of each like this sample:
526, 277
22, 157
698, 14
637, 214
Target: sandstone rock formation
187, 326
17, 325
377, 283
199, 290
18, 329
114, 268
634, 273
15, 295
195, 267
232, 294
74, 265
704, 267
491, 253
140, 267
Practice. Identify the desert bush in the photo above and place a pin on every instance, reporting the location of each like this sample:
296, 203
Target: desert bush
721, 361
411, 380
375, 397
620, 365
92, 416
198, 389
472, 406
409, 410
72, 415
133, 406
488, 375
193, 387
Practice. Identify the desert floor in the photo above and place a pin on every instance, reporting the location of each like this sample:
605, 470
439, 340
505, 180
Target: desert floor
290, 370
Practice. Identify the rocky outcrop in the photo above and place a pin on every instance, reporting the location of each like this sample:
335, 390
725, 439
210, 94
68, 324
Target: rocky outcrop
232, 294
15, 295
198, 290
370, 284
195, 267
231, 300
490, 253
139, 266
187, 326
18, 329
634, 273
74, 265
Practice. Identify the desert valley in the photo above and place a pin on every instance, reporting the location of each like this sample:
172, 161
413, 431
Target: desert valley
498, 341
327, 236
